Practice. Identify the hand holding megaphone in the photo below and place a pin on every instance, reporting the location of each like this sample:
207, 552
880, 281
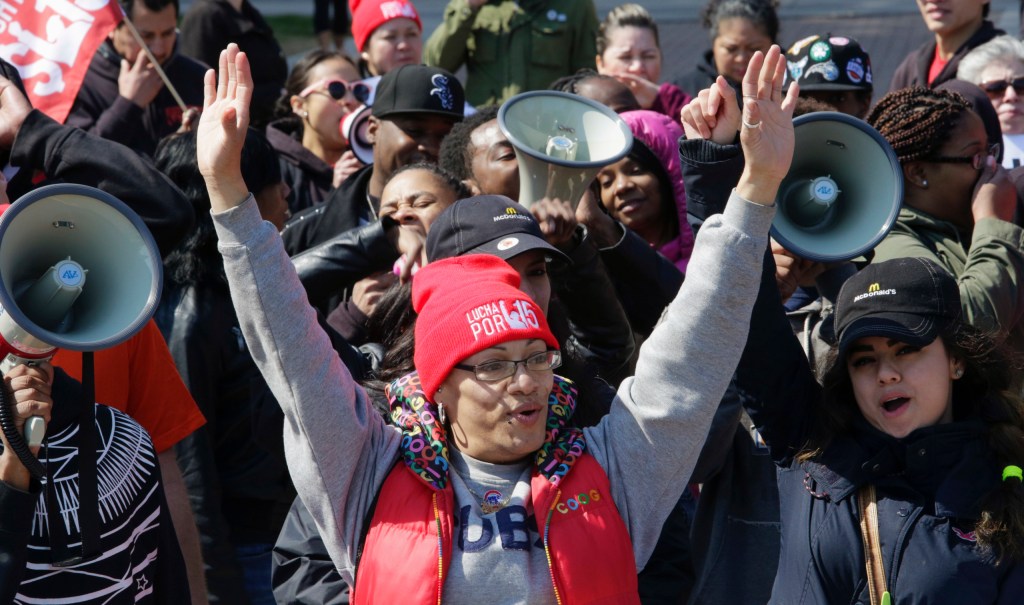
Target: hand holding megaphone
26, 402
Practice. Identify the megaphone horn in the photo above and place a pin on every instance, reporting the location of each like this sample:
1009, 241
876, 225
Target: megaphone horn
561, 141
353, 128
843, 192
78, 270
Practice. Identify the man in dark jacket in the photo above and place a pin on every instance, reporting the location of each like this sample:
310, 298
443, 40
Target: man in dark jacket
123, 97
959, 27
414, 108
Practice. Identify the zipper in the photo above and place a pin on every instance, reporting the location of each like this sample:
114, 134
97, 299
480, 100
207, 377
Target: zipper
547, 550
440, 550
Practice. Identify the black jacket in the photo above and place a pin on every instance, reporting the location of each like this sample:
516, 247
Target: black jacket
309, 177
345, 208
99, 108
61, 154
913, 71
207, 28
239, 491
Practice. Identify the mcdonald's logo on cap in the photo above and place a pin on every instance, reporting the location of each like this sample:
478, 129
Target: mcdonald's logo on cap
874, 287
510, 210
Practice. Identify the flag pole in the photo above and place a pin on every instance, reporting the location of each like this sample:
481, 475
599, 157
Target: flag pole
156, 64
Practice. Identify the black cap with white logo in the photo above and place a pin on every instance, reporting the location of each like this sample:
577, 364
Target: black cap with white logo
419, 89
487, 224
907, 299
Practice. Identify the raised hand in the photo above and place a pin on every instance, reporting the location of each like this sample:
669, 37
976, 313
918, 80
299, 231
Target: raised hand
139, 82
713, 114
767, 126
14, 108
222, 128
557, 221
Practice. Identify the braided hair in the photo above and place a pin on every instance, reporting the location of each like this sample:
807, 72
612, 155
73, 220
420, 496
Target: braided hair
917, 121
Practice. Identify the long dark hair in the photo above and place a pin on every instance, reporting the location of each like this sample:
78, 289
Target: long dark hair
987, 390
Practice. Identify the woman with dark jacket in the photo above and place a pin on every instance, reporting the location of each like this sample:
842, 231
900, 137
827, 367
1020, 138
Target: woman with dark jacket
239, 492
320, 91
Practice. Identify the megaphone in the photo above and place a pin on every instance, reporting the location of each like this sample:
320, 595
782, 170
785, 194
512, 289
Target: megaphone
561, 141
353, 128
78, 270
843, 192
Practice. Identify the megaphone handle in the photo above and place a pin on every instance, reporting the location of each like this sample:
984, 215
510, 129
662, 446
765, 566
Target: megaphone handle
35, 430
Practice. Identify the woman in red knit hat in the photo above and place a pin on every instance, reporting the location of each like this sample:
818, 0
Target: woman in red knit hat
482, 489
387, 34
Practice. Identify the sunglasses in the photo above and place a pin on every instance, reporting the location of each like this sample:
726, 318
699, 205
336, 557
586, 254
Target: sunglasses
977, 161
337, 89
998, 87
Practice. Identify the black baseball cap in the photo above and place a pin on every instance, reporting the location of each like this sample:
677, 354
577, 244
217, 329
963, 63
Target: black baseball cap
908, 299
487, 224
829, 63
419, 89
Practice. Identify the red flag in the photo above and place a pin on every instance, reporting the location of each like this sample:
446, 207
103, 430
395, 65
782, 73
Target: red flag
51, 42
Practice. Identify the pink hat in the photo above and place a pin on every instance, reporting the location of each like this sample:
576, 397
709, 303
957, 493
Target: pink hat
368, 15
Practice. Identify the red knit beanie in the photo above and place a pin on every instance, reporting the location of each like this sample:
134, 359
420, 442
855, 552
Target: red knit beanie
465, 305
368, 15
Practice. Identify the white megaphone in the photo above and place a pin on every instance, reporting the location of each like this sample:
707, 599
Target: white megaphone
843, 192
561, 140
78, 270
353, 128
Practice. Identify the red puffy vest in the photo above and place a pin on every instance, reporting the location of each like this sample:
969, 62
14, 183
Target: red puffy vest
408, 546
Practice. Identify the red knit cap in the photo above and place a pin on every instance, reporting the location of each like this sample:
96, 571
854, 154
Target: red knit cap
465, 305
368, 15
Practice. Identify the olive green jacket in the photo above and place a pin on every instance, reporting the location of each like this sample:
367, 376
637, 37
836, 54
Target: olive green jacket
990, 272
509, 47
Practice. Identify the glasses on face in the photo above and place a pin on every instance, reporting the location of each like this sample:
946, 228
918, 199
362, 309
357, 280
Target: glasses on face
998, 87
493, 371
337, 89
977, 161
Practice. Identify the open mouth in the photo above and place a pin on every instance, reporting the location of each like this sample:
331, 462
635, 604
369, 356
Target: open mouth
525, 416
894, 405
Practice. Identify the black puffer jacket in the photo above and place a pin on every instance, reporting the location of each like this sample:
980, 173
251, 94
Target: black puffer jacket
309, 177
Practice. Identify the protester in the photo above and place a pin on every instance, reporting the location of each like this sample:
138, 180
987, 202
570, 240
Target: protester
644, 190
414, 109
209, 25
122, 97
339, 484
957, 204
958, 27
133, 375
508, 47
907, 455
997, 67
239, 492
321, 90
628, 49
387, 34
835, 70
737, 29
606, 90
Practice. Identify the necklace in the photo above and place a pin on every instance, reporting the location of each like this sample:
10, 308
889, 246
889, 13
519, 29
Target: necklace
492, 501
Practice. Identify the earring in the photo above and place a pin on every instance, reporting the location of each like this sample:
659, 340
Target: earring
959, 372
305, 114
441, 415
924, 182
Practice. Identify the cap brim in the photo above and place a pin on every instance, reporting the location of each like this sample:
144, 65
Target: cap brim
409, 112
514, 244
910, 328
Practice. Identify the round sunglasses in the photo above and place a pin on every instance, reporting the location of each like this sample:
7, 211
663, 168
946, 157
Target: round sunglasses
337, 88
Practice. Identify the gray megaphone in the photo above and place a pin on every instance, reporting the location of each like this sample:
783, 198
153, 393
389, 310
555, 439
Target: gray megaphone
78, 270
843, 192
561, 141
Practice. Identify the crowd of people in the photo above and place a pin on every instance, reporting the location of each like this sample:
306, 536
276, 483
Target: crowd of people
390, 375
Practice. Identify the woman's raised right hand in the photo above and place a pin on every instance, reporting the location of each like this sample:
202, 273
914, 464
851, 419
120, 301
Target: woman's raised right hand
995, 195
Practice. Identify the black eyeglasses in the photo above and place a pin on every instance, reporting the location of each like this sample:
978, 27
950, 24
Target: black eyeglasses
998, 87
493, 371
337, 89
977, 160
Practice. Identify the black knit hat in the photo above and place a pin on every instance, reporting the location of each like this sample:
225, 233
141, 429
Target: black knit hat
829, 63
487, 224
419, 89
908, 299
